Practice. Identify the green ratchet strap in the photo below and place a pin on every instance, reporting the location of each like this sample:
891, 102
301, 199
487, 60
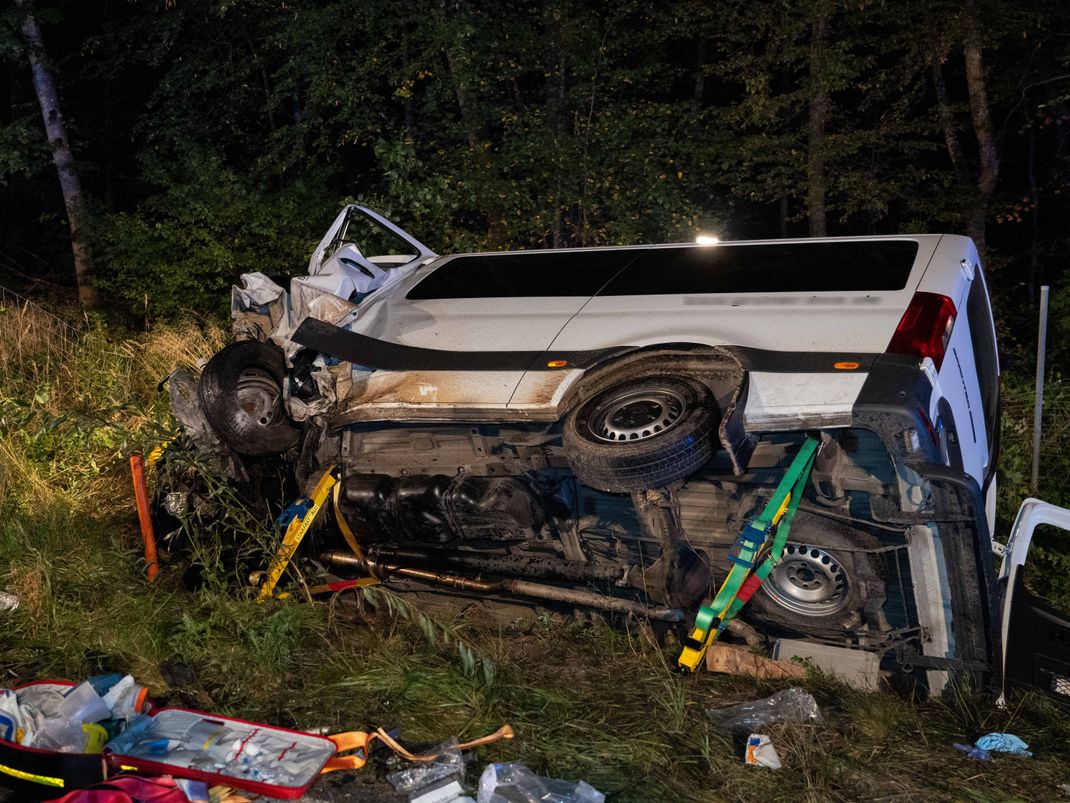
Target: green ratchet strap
743, 579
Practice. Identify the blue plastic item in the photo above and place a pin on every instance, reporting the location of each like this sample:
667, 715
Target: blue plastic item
973, 751
102, 683
1004, 743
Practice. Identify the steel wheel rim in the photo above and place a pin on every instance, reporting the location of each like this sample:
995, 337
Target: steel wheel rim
636, 415
808, 581
259, 395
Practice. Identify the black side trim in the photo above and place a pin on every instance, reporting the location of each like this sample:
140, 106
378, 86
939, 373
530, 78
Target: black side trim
381, 354
384, 355
801, 362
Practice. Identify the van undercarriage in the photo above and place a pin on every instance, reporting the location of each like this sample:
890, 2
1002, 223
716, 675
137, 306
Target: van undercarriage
495, 513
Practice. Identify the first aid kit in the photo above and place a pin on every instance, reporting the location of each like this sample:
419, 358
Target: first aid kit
63, 735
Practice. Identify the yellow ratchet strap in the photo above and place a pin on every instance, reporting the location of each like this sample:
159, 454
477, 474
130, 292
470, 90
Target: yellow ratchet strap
157, 453
349, 535
296, 531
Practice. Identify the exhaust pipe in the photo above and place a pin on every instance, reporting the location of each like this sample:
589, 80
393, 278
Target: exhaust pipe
520, 588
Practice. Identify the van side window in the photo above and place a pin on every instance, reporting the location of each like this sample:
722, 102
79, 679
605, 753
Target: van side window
983, 336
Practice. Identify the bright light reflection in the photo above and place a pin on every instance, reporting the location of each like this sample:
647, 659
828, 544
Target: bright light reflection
707, 239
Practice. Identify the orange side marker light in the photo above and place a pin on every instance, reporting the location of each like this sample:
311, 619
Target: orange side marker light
557, 363
845, 366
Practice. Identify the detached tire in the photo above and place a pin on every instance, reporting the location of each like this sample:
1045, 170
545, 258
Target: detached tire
241, 392
645, 433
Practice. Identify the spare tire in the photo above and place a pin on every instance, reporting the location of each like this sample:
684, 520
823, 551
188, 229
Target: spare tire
828, 575
241, 392
644, 433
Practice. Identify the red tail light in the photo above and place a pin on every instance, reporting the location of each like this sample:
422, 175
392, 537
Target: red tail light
925, 328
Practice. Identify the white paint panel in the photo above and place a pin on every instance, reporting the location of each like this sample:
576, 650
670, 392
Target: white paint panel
932, 597
778, 401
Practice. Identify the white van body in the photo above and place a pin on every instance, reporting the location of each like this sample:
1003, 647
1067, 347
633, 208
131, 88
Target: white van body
447, 388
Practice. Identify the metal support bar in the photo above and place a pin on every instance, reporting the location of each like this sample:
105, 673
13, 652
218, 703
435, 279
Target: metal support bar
515, 566
520, 588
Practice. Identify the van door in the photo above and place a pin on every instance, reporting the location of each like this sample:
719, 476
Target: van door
1036, 635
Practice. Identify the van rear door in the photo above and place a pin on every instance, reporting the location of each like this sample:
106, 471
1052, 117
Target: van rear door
1036, 636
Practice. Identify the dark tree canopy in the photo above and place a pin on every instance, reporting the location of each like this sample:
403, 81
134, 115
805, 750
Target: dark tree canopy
217, 136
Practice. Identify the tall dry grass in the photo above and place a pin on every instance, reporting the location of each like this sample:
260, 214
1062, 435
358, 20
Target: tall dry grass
32, 339
77, 397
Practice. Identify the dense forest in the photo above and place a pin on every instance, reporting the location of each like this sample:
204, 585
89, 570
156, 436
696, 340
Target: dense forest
212, 137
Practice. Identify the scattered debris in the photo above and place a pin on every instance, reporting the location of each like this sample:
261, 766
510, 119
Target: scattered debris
515, 783
973, 751
196, 791
8, 601
984, 747
447, 763
1004, 743
144, 515
788, 705
761, 753
448, 791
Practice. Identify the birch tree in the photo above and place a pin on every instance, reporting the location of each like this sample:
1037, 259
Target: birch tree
44, 84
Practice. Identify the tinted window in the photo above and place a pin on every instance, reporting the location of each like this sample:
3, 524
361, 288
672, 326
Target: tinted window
775, 268
524, 274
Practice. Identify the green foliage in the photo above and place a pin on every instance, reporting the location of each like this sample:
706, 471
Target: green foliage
218, 137
1048, 566
22, 150
186, 244
1016, 448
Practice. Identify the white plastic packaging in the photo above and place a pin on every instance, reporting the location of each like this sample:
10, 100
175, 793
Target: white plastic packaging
415, 776
761, 753
515, 783
82, 704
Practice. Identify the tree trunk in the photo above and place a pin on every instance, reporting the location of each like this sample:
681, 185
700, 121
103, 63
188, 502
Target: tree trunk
988, 160
819, 109
457, 67
947, 121
45, 85
698, 89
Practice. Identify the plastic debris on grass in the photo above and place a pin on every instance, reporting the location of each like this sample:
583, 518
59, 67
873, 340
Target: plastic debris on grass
416, 777
788, 705
515, 783
761, 753
1004, 743
983, 748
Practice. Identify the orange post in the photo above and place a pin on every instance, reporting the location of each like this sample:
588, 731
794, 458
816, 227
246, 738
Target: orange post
141, 496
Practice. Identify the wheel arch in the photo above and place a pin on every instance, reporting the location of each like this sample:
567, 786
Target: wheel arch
717, 367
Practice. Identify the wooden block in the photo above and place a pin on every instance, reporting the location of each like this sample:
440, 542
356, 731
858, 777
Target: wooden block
731, 660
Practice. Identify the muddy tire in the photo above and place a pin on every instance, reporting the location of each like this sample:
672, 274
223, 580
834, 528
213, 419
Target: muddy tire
645, 433
823, 581
241, 392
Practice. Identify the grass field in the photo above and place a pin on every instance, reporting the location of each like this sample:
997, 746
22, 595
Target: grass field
586, 701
